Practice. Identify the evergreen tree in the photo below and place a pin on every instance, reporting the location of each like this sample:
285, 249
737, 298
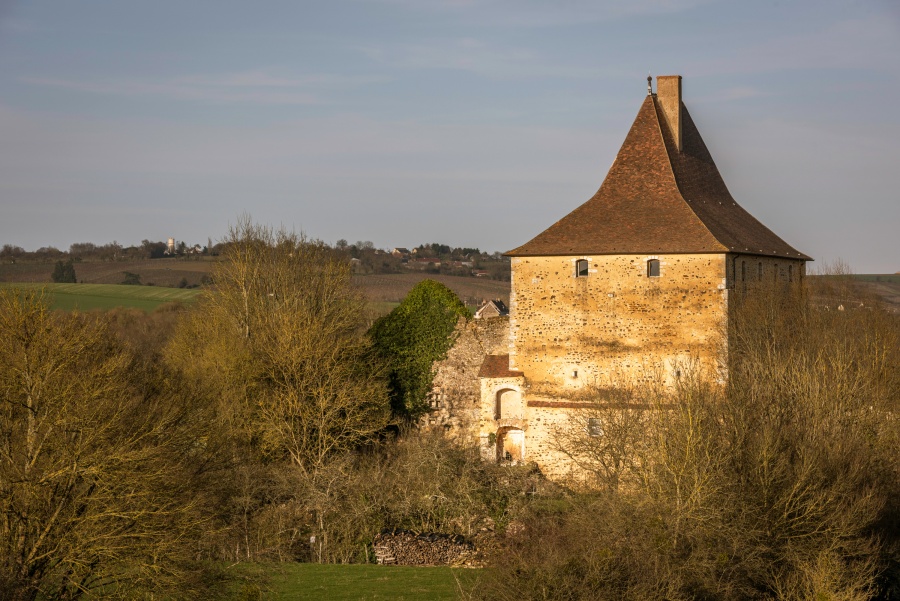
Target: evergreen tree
64, 272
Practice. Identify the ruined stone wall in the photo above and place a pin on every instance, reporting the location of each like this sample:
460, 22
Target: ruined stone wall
617, 323
456, 393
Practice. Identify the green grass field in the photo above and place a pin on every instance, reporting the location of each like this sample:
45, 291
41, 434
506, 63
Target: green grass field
88, 297
302, 581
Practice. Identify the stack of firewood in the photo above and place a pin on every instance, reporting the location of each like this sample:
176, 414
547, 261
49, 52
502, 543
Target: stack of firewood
407, 548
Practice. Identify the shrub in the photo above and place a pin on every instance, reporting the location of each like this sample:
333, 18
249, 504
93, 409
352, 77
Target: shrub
64, 273
411, 338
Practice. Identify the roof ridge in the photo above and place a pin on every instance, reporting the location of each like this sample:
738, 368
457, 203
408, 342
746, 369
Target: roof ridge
659, 128
733, 238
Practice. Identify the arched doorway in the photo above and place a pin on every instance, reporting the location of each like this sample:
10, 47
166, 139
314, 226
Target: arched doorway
508, 404
510, 445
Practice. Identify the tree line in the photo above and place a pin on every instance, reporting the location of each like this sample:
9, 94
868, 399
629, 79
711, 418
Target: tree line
112, 251
365, 257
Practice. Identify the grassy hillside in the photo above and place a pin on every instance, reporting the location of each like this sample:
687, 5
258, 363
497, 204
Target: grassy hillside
87, 297
170, 272
853, 289
383, 291
885, 286
159, 272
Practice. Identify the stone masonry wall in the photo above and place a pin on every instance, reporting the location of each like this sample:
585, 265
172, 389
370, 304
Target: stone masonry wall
616, 325
456, 393
569, 332
746, 271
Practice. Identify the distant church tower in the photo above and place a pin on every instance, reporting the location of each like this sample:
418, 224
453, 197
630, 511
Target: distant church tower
628, 286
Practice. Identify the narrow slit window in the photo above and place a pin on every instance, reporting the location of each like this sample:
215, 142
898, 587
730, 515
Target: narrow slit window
653, 268
790, 273
759, 272
581, 268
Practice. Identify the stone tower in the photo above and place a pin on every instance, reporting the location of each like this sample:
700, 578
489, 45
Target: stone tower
631, 285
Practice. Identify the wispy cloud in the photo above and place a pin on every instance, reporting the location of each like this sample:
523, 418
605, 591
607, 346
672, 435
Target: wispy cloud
14, 25
540, 13
872, 44
251, 87
474, 56
730, 94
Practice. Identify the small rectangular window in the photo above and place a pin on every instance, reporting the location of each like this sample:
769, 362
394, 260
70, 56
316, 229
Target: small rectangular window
595, 427
581, 268
653, 268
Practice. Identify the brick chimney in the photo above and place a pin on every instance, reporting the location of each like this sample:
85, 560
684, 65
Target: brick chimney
668, 93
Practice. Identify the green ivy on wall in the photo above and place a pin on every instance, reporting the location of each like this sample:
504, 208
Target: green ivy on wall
411, 338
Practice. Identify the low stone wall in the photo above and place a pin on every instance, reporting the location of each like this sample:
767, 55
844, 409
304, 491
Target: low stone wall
406, 548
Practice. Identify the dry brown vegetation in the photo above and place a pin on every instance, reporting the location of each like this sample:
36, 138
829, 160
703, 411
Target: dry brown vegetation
781, 484
134, 445
255, 426
280, 349
99, 461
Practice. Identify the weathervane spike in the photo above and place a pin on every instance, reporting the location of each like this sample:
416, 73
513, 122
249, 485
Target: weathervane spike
649, 84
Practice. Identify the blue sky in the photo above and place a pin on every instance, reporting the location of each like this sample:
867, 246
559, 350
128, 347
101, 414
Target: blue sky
466, 122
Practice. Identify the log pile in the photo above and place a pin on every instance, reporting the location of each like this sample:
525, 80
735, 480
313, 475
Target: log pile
407, 548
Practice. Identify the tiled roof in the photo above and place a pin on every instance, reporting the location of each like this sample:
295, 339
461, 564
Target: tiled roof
498, 305
657, 199
497, 366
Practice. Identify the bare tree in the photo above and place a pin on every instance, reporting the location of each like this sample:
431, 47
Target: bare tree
281, 339
93, 474
605, 439
781, 483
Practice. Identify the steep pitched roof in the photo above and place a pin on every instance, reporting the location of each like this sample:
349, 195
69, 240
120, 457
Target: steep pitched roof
658, 199
492, 307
